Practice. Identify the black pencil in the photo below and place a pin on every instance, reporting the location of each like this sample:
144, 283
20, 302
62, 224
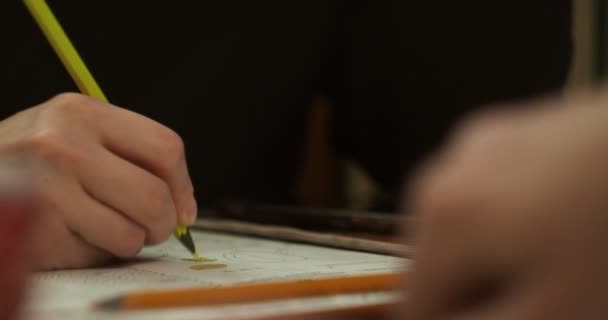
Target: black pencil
317, 219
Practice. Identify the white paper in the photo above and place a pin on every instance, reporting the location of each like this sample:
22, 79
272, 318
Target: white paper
69, 294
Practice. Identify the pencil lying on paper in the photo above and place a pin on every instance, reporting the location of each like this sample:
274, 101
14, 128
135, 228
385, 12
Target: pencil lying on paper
248, 293
80, 73
305, 236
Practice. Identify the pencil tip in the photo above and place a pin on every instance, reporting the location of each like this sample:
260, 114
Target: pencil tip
111, 304
186, 240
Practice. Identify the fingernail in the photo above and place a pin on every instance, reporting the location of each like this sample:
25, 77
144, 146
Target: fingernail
191, 212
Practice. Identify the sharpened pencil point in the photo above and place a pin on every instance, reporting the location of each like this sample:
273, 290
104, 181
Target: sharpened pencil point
111, 304
183, 235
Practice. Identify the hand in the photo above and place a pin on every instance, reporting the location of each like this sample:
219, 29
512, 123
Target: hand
514, 217
110, 180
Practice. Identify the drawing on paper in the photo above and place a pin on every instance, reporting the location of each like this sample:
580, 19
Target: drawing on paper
207, 266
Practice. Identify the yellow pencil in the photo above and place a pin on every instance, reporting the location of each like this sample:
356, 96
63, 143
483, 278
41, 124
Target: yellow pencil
80, 74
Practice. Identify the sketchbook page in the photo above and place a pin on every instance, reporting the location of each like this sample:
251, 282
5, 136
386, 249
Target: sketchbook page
247, 260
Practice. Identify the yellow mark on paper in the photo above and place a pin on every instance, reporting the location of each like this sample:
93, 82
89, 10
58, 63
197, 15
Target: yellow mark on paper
200, 259
208, 266
196, 258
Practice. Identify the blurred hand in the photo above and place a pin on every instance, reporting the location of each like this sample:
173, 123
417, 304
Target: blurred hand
514, 217
110, 180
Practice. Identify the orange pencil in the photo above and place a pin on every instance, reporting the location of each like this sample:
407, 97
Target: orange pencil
380, 311
245, 293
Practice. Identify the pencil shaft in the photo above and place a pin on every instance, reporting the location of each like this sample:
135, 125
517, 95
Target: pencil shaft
64, 48
259, 292
311, 219
304, 236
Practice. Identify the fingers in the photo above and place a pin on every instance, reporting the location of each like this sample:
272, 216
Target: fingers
156, 148
81, 255
137, 139
462, 247
56, 247
111, 180
93, 221
121, 186
468, 256
502, 221
454, 263
105, 228
76, 230
446, 273
530, 299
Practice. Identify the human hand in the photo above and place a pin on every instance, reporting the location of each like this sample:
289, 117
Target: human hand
513, 217
109, 180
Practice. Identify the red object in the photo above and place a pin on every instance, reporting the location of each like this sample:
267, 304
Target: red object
17, 206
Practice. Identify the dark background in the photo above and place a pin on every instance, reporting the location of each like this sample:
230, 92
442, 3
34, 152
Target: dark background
237, 78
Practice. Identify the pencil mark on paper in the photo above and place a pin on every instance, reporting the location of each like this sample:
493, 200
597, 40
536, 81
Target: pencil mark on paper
263, 255
207, 266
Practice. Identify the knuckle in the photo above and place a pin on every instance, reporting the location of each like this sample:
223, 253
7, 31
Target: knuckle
131, 241
47, 141
51, 146
72, 107
69, 101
